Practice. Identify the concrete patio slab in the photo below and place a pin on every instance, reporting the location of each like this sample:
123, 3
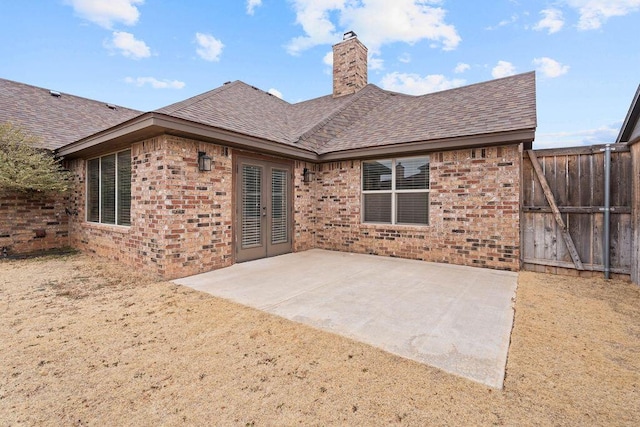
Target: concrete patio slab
452, 317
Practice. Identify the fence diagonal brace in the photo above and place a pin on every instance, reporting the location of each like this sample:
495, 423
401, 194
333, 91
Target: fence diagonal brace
556, 212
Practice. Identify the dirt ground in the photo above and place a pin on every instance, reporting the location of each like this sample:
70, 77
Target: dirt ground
89, 342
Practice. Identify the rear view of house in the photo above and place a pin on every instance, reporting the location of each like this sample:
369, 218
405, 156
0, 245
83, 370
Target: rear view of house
236, 174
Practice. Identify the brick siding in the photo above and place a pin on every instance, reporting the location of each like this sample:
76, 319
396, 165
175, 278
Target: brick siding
32, 222
180, 217
474, 212
305, 208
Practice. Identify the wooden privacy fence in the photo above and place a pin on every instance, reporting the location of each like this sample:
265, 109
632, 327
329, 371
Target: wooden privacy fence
563, 209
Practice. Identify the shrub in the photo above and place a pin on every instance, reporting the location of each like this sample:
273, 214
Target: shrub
25, 166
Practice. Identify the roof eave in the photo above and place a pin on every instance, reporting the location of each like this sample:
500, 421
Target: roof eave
445, 144
153, 124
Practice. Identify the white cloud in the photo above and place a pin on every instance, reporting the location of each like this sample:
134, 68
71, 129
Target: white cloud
377, 22
601, 135
593, 13
252, 4
275, 92
210, 48
128, 45
549, 67
375, 63
328, 59
414, 84
405, 58
461, 68
552, 21
503, 69
512, 20
155, 83
107, 12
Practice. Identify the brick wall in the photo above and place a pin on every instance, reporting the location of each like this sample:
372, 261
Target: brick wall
32, 222
474, 211
305, 208
180, 217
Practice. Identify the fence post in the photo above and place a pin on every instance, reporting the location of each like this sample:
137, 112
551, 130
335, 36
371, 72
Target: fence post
606, 239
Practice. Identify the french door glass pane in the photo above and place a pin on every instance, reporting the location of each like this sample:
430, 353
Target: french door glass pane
108, 181
251, 205
278, 206
377, 207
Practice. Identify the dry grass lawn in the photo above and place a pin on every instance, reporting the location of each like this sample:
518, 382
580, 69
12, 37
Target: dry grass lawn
87, 342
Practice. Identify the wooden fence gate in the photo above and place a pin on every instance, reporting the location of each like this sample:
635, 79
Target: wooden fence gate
562, 217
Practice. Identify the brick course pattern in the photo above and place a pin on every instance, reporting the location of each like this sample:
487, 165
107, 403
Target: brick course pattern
32, 222
474, 212
349, 67
305, 208
180, 217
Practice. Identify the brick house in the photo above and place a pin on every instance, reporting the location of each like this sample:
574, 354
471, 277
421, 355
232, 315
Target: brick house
236, 174
37, 222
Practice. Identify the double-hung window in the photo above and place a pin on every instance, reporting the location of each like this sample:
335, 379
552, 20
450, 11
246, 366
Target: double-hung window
396, 191
109, 189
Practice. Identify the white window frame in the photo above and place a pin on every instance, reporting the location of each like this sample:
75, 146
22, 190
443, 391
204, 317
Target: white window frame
116, 190
393, 191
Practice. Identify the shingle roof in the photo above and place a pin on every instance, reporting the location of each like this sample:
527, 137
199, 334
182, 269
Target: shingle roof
370, 118
237, 107
501, 105
56, 120
248, 110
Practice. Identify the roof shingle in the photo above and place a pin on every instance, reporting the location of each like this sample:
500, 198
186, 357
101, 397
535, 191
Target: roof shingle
370, 118
56, 120
501, 105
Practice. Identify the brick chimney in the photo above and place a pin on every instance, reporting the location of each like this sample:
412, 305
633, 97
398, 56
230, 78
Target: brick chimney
349, 65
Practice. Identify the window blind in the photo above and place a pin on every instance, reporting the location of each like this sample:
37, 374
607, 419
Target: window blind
124, 188
396, 191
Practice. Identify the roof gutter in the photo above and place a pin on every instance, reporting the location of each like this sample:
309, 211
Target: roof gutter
150, 125
445, 144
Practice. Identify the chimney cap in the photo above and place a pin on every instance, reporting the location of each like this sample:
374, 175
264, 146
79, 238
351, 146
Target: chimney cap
349, 35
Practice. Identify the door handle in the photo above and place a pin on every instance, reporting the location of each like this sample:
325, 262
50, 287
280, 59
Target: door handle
264, 211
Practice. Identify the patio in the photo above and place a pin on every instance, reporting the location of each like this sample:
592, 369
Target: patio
455, 318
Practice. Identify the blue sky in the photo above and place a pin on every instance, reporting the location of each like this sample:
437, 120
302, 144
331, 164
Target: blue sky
145, 54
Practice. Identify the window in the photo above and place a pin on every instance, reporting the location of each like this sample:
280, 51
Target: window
396, 191
109, 189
